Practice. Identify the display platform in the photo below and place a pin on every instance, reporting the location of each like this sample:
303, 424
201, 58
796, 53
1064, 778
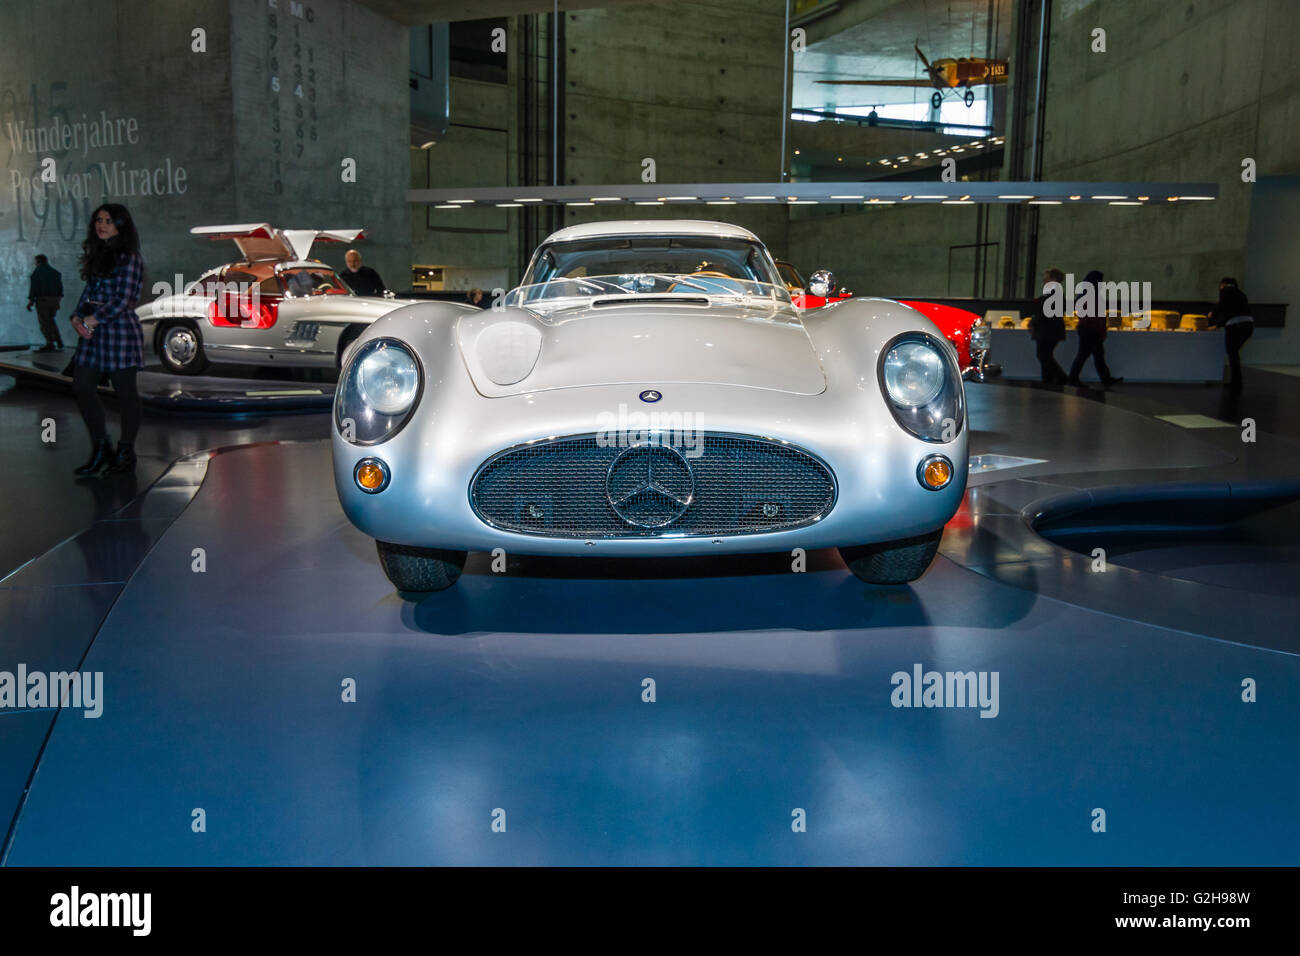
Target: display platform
213, 394
518, 696
1136, 356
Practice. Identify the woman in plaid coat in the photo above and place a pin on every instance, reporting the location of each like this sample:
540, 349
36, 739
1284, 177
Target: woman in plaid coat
112, 342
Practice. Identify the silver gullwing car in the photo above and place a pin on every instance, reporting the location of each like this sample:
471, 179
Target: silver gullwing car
650, 390
275, 306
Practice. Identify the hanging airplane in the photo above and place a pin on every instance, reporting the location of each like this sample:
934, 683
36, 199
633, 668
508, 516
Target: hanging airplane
945, 74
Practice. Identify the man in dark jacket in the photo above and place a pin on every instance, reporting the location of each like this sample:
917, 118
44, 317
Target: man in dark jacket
1092, 331
45, 291
1233, 313
362, 280
1048, 331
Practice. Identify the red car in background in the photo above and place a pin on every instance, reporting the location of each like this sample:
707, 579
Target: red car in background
968, 332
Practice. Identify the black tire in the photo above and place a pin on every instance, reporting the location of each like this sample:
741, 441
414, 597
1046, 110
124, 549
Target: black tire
350, 335
420, 569
936, 99
893, 562
179, 346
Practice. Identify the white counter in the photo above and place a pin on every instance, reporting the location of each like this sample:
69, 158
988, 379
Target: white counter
1143, 356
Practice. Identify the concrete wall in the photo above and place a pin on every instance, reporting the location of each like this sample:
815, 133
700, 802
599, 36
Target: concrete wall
1270, 274
694, 86
477, 151
204, 119
1185, 92
689, 85
351, 67
892, 251
132, 61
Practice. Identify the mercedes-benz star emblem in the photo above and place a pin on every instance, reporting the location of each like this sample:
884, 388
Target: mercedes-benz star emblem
651, 395
650, 486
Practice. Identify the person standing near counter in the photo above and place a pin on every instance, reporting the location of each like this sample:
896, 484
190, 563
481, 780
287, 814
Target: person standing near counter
112, 341
1048, 331
1232, 311
1092, 333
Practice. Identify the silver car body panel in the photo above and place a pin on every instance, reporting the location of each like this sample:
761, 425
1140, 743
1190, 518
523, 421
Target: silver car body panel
284, 343
711, 343
737, 368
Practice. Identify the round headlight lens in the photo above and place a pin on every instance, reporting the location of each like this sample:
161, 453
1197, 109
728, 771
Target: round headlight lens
914, 374
388, 379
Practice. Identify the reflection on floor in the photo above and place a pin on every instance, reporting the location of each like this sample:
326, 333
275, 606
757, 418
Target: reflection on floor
45, 503
520, 696
222, 389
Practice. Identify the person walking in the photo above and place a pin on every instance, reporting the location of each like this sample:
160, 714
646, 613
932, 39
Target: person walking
1048, 331
1092, 332
112, 341
1232, 312
45, 291
362, 280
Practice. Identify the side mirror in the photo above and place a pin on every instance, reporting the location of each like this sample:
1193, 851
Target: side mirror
821, 284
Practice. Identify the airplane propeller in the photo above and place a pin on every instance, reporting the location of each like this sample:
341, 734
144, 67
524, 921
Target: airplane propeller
936, 74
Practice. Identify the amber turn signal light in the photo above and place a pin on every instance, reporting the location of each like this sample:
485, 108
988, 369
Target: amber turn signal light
935, 472
371, 475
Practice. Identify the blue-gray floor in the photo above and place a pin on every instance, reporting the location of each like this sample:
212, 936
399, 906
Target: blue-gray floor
522, 692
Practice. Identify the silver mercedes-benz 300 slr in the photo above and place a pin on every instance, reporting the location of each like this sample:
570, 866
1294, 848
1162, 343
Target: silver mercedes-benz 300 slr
275, 306
650, 390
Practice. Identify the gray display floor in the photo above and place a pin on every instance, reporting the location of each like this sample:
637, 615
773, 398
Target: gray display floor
519, 696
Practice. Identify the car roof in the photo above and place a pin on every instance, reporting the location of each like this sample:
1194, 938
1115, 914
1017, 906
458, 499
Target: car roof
652, 227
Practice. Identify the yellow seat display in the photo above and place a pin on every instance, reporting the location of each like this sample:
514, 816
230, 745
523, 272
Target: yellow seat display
1194, 323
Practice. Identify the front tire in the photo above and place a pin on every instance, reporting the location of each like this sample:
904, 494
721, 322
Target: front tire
350, 335
893, 562
420, 569
180, 348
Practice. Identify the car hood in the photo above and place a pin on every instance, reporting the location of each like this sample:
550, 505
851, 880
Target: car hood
339, 308
640, 342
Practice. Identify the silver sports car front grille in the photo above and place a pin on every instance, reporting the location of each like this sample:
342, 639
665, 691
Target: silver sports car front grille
588, 487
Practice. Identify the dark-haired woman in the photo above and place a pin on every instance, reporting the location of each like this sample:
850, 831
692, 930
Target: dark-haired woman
112, 342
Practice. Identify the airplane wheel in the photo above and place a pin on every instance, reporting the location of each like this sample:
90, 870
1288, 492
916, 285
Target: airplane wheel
936, 99
969, 98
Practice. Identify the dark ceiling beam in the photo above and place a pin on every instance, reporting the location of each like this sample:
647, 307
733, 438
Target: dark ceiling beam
836, 193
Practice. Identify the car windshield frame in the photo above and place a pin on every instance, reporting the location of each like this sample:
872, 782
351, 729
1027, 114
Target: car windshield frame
282, 275
742, 269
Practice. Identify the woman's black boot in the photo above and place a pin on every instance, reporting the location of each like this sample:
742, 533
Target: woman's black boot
123, 461
100, 456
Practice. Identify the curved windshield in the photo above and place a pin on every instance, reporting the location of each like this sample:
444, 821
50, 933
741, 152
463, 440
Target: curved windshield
299, 282
650, 265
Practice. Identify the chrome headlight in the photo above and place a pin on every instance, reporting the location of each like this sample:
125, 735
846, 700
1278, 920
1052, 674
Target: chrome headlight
980, 336
377, 391
913, 374
922, 386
